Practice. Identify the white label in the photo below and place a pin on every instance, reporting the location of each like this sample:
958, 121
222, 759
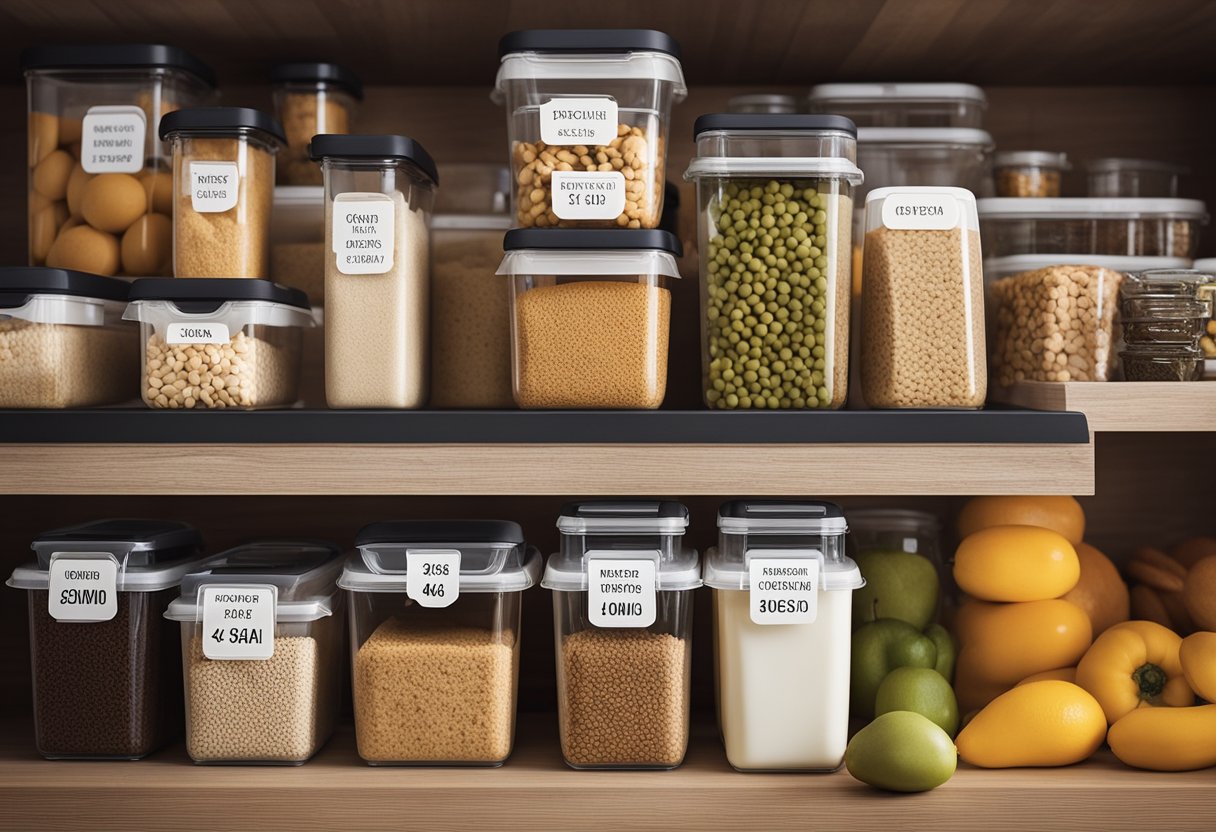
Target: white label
362, 233
432, 577
214, 186
920, 212
784, 590
574, 121
210, 333
238, 622
621, 593
112, 139
83, 588
584, 195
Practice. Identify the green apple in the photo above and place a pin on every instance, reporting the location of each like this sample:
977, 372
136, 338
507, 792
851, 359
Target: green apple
901, 751
921, 690
878, 648
946, 651
898, 585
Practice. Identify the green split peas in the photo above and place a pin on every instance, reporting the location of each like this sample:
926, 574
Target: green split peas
767, 297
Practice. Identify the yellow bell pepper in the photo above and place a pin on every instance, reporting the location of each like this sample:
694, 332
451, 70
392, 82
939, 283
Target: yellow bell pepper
1134, 665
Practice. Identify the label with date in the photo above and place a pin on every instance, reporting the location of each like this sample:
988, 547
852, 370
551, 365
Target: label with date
621, 592
784, 590
83, 587
432, 577
588, 195
238, 621
578, 121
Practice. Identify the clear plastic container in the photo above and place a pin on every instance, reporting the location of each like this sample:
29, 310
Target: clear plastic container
100, 184
261, 636
1162, 363
1164, 320
311, 99
783, 601
1128, 227
62, 339
901, 530
922, 336
1113, 177
297, 239
223, 190
774, 209
902, 105
379, 193
1029, 173
474, 188
762, 103
588, 124
590, 316
956, 157
1200, 280
218, 343
435, 629
106, 664
622, 616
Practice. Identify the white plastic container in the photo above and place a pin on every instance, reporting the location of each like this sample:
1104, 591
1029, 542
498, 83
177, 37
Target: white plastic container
783, 600
902, 104
1115, 177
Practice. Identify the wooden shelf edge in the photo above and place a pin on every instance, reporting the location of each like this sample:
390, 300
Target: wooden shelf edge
1135, 406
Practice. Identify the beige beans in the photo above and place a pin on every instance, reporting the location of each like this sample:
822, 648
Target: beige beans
1027, 182
305, 114
261, 370
57, 365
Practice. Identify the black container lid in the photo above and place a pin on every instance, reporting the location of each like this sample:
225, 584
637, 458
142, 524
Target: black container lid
584, 239
780, 509
17, 283
215, 290
116, 56
306, 73
345, 146
588, 40
772, 121
221, 121
153, 535
632, 509
441, 531
281, 557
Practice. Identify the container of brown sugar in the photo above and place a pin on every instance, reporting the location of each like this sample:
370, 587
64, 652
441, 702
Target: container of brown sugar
106, 665
311, 99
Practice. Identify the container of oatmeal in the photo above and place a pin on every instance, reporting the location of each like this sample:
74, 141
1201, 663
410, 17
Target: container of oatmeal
311, 99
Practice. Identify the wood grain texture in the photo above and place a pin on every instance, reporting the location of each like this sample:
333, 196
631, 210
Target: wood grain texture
1120, 406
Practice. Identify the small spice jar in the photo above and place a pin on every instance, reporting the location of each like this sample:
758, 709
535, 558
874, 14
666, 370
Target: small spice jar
435, 629
1029, 173
223, 187
311, 99
622, 602
261, 636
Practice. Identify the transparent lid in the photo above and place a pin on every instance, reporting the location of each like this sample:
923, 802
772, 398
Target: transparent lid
1207, 264
762, 103
589, 55
925, 137
590, 252
921, 207
826, 94
814, 517
1120, 165
1018, 263
893, 519
768, 144
567, 571
515, 575
605, 517
1031, 159
1095, 208
1167, 282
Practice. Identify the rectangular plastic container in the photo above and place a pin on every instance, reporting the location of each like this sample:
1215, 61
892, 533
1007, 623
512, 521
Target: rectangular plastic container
106, 664
1029, 173
379, 194
435, 629
311, 99
902, 105
622, 617
588, 124
955, 157
774, 220
100, 185
62, 339
590, 316
783, 601
297, 239
1114, 177
218, 343
261, 636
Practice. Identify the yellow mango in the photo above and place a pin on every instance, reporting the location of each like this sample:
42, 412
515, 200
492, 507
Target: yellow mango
1165, 739
1048, 723
1016, 563
1198, 656
1005, 643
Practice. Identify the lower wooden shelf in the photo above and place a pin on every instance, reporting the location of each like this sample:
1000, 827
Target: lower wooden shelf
534, 790
1137, 406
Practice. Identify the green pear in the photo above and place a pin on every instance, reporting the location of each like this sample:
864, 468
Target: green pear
921, 690
901, 751
898, 585
946, 651
878, 648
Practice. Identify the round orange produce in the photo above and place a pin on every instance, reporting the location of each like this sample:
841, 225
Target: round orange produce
1198, 656
1060, 514
1192, 550
1016, 563
1199, 594
1049, 723
1005, 643
1101, 592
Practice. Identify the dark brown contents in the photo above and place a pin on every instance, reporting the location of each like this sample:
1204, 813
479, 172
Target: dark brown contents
1161, 368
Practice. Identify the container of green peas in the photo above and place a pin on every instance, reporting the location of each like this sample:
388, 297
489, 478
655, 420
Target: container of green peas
775, 206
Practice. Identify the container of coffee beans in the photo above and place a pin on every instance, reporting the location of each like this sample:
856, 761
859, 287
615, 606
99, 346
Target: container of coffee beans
435, 623
622, 602
106, 666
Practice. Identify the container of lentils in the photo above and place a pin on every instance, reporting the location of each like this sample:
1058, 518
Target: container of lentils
622, 609
262, 641
311, 99
100, 182
106, 664
434, 629
218, 343
775, 205
588, 122
1029, 173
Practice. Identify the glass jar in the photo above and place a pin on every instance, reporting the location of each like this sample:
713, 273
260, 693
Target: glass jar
1029, 173
311, 99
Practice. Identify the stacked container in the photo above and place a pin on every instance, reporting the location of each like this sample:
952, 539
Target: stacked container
1166, 316
311, 99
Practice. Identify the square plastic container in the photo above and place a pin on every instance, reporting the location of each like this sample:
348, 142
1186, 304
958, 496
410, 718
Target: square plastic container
1162, 363
1164, 320
774, 220
297, 239
622, 616
223, 190
588, 124
590, 316
379, 193
1113, 177
218, 343
902, 105
62, 339
311, 99
106, 664
783, 601
100, 186
261, 636
1029, 173
435, 628
955, 157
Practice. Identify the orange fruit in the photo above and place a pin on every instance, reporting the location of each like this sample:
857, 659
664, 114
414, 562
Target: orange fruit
1199, 595
1005, 643
1049, 723
1189, 552
1060, 514
1101, 592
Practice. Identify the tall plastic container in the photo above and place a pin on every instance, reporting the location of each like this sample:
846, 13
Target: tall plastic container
311, 99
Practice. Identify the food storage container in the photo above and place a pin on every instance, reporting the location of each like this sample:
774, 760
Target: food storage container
297, 239
902, 105
218, 343
62, 339
783, 597
622, 617
311, 99
762, 103
261, 638
105, 663
774, 219
435, 629
100, 185
223, 190
1199, 281
901, 530
1133, 178
590, 314
1029, 173
474, 188
1130, 227
1162, 363
1165, 319
588, 124
957, 157
379, 191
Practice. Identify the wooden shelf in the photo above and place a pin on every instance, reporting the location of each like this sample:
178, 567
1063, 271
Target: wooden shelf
1153, 406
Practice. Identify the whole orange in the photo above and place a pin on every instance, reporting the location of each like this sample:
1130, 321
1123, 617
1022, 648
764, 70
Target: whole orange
1101, 592
1060, 514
